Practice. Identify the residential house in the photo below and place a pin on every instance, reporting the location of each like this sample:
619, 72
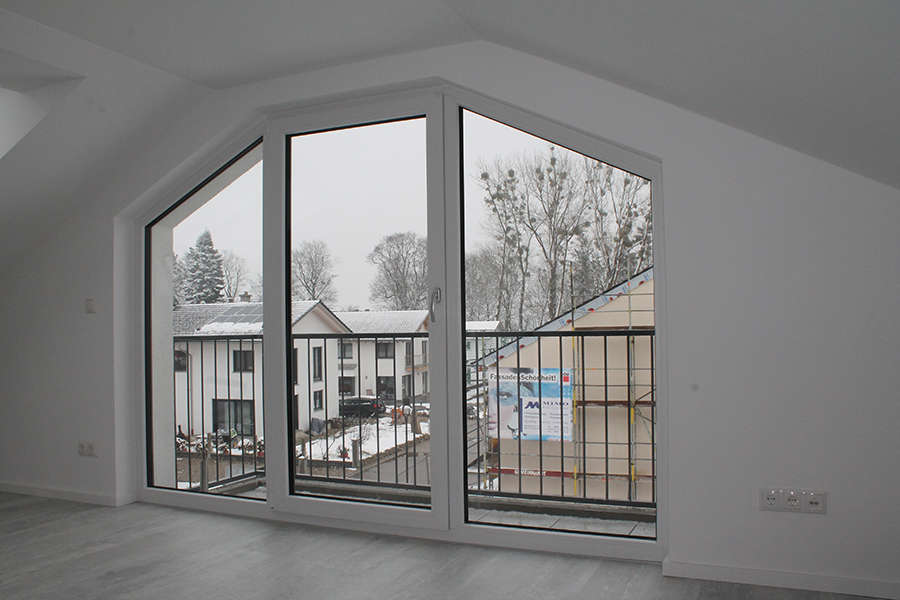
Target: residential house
390, 348
218, 361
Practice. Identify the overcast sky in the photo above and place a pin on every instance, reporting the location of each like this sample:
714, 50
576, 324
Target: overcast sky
351, 188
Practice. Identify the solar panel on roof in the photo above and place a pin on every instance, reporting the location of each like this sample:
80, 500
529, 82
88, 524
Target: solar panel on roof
241, 314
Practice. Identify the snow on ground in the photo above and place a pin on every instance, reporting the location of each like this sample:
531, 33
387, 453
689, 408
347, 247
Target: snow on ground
377, 437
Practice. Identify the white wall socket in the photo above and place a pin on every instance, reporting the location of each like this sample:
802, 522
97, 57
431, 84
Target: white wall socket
792, 500
87, 449
770, 499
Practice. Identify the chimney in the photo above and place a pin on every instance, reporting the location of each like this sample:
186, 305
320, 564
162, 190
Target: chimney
245, 297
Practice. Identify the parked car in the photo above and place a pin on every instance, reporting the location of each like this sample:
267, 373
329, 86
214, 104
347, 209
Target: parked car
365, 406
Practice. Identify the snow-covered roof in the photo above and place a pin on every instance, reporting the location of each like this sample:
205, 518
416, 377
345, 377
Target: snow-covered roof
238, 318
188, 318
246, 318
384, 321
482, 325
300, 308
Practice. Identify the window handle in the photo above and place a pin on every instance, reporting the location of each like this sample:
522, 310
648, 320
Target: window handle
435, 299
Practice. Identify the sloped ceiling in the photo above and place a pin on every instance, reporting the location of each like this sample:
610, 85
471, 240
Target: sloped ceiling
818, 76
222, 43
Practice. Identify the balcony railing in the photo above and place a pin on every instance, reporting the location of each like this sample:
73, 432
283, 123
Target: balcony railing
363, 429
554, 421
219, 446
562, 421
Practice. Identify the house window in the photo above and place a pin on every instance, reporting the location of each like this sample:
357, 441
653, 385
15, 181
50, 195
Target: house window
424, 360
407, 386
242, 361
233, 418
345, 350
384, 350
181, 361
424, 382
318, 403
410, 358
317, 363
384, 388
347, 386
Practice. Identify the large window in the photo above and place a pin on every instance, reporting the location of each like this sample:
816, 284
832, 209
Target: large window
465, 335
359, 247
558, 274
205, 409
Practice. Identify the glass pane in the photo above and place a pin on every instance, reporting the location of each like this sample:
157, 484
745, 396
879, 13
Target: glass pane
205, 297
560, 419
360, 289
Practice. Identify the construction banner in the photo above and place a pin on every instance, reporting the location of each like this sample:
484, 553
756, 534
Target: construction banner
530, 405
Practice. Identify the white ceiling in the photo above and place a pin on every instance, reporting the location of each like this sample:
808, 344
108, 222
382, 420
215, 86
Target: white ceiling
819, 76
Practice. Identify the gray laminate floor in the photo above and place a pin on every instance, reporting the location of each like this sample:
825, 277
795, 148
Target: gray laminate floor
72, 551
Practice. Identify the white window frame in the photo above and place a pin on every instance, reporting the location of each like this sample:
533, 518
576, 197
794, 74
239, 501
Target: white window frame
395, 107
445, 520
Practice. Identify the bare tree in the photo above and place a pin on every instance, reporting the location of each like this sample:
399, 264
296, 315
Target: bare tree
555, 216
234, 271
619, 240
312, 274
506, 224
485, 299
256, 287
535, 205
563, 230
401, 282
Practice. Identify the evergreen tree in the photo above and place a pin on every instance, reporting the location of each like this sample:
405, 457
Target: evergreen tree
205, 276
179, 280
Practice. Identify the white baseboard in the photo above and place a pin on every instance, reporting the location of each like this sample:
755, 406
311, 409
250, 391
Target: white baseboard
799, 581
74, 496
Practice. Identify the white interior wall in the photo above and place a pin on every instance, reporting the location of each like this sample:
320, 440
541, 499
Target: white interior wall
57, 379
780, 272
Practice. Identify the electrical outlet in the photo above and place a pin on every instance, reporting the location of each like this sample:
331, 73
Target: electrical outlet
792, 500
814, 502
87, 449
769, 499
808, 501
